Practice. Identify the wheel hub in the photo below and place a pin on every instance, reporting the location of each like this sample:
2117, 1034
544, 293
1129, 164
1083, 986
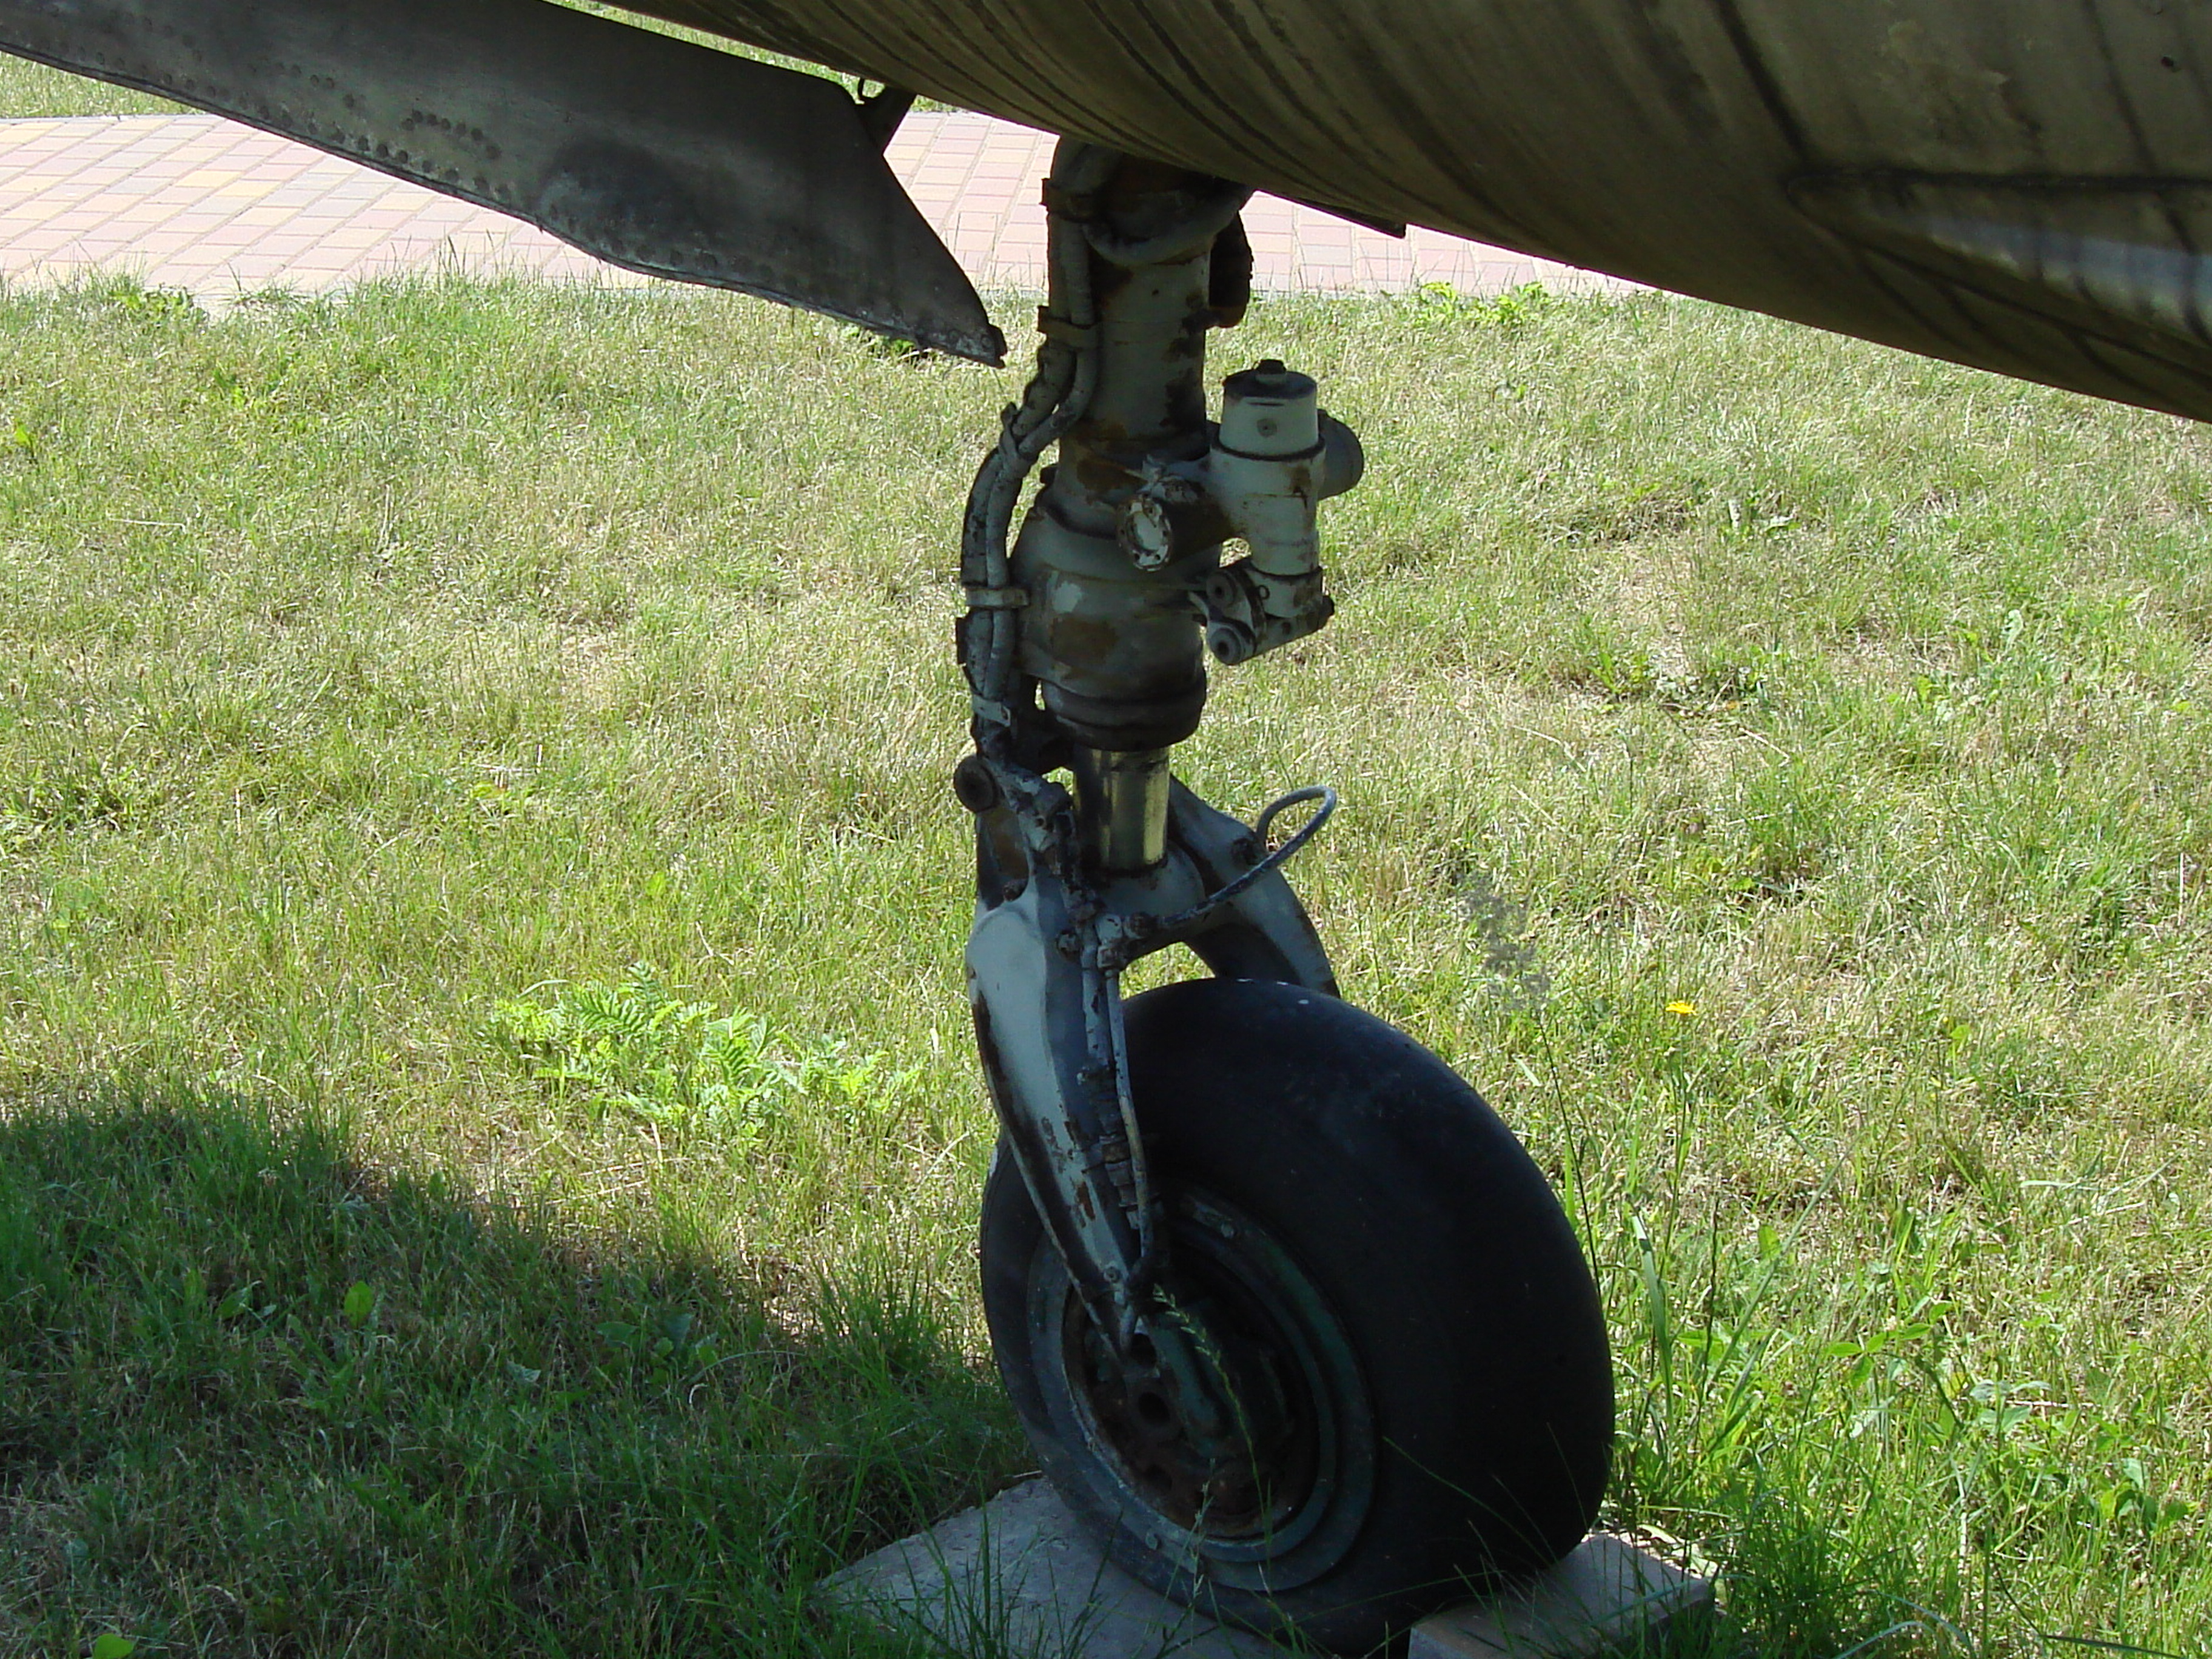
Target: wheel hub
1229, 1454
1233, 1434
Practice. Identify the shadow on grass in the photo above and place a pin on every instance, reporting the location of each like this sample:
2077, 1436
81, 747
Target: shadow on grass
262, 1397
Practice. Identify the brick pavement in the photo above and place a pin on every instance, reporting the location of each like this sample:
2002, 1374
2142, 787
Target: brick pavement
196, 203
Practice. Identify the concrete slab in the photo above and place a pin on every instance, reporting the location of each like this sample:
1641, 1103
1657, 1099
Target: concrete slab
1607, 1594
1019, 1579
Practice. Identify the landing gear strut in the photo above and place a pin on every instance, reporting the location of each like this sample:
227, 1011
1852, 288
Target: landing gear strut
1291, 1320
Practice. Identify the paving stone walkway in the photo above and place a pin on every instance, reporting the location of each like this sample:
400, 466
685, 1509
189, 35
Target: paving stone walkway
196, 203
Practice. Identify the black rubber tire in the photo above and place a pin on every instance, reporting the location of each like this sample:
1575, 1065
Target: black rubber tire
1443, 1259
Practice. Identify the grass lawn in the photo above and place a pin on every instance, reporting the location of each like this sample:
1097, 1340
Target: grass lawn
29, 89
490, 1138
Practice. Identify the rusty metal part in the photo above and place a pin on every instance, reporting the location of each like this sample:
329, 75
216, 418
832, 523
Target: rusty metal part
1113, 645
2020, 187
1233, 1435
653, 153
1121, 554
1055, 398
1242, 1474
1152, 232
1116, 649
1047, 1018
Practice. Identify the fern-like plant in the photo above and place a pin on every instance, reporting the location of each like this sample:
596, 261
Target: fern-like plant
638, 1048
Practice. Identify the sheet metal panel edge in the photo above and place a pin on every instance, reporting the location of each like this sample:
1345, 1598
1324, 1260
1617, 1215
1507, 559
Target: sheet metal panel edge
653, 153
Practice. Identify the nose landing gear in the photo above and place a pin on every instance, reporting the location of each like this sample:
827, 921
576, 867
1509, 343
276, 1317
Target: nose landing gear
1290, 1319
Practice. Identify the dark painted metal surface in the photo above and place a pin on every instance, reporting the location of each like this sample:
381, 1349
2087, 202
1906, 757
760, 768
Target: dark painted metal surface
653, 153
2025, 186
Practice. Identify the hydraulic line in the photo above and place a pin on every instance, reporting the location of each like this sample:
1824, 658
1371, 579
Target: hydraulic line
1054, 399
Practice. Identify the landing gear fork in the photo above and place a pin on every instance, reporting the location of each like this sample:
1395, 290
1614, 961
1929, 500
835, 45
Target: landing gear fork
1084, 649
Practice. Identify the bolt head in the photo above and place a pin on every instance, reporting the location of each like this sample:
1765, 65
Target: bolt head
1145, 532
973, 785
1229, 643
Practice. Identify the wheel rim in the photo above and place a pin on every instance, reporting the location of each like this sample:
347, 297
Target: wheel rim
1286, 1503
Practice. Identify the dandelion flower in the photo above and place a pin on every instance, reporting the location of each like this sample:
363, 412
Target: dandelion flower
1683, 1008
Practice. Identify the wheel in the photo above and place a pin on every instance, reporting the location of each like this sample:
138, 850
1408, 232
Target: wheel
1387, 1288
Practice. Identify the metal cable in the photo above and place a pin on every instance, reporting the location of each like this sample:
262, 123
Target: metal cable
1275, 861
1140, 1175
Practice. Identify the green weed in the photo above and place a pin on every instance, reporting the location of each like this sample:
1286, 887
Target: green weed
366, 1410
680, 1065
